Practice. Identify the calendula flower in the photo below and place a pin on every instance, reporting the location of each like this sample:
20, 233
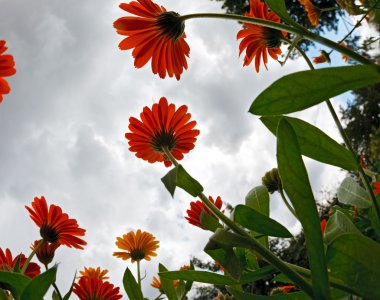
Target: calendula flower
45, 253
184, 267
91, 272
162, 126
259, 41
196, 208
156, 283
137, 246
324, 57
7, 68
7, 263
313, 12
55, 226
376, 188
156, 35
96, 289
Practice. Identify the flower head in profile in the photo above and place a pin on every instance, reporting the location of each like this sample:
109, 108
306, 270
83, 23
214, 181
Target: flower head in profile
196, 209
156, 283
92, 272
259, 41
162, 126
324, 57
313, 12
156, 35
96, 289
7, 68
45, 253
136, 246
55, 226
7, 263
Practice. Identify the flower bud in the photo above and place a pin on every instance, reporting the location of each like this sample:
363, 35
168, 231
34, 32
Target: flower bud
272, 180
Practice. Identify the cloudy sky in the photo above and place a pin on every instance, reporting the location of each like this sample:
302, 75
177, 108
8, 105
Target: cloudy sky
62, 131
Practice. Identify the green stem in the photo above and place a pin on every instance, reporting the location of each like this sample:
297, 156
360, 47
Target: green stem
258, 248
281, 191
329, 9
347, 142
54, 285
25, 266
158, 297
283, 27
138, 274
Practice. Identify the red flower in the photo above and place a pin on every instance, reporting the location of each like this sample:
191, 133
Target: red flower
45, 253
323, 226
162, 126
258, 41
7, 263
376, 187
94, 288
55, 226
6, 69
287, 288
154, 34
196, 208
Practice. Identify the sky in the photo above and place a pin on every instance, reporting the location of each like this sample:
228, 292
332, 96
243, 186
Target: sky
62, 132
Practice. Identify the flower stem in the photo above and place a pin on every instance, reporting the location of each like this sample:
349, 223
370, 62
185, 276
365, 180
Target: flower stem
138, 274
279, 26
54, 285
281, 191
347, 142
25, 266
260, 249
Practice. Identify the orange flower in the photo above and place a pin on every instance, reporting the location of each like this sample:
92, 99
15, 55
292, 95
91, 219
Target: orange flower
324, 57
344, 56
7, 263
91, 272
323, 226
312, 11
6, 69
154, 34
138, 246
55, 226
376, 188
221, 268
162, 126
184, 267
94, 288
156, 283
45, 253
258, 41
196, 208
287, 288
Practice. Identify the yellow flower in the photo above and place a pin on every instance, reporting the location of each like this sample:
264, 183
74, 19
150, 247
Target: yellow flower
94, 273
137, 246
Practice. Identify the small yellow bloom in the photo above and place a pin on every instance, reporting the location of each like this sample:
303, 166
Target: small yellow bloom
137, 246
94, 273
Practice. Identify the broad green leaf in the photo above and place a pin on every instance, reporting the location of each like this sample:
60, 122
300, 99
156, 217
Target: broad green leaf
314, 143
278, 6
251, 260
305, 89
295, 182
179, 177
289, 296
227, 258
214, 278
209, 222
351, 193
167, 284
337, 225
258, 199
374, 221
253, 220
15, 281
355, 260
131, 286
38, 286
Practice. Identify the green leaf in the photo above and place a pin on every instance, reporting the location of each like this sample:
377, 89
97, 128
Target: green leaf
278, 6
227, 258
305, 89
337, 225
189, 283
314, 143
351, 193
38, 286
167, 284
209, 222
3, 296
15, 281
179, 177
131, 286
214, 278
68, 294
289, 296
253, 220
355, 260
55, 296
296, 184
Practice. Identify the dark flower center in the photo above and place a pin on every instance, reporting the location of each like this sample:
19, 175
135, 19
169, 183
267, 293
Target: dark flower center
163, 139
137, 254
272, 38
170, 24
49, 234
